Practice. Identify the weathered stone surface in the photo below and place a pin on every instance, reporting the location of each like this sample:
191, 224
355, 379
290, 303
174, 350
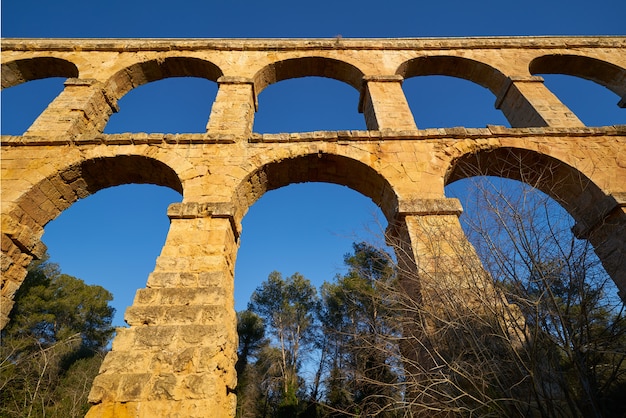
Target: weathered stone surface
177, 357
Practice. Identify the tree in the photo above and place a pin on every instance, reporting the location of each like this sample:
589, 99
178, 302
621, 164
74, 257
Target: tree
53, 344
288, 307
539, 331
252, 342
358, 328
536, 329
575, 349
251, 330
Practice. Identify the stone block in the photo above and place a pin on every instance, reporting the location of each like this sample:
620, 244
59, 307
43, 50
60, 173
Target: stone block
134, 386
202, 385
154, 336
117, 362
164, 387
198, 335
104, 388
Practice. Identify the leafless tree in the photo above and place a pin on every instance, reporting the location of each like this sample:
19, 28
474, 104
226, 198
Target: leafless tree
535, 328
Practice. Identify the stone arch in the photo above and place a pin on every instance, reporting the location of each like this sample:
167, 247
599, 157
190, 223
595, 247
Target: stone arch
468, 69
474, 71
49, 197
100, 173
23, 70
157, 69
317, 167
305, 67
602, 72
597, 214
560, 181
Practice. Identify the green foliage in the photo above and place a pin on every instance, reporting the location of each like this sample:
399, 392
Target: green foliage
53, 345
288, 305
251, 330
288, 308
52, 307
546, 341
358, 324
252, 341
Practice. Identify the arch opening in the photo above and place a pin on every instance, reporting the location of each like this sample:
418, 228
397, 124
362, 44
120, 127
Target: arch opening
102, 173
51, 196
21, 71
444, 101
468, 69
319, 167
308, 66
604, 73
596, 215
566, 185
449, 101
145, 72
171, 105
311, 181
312, 103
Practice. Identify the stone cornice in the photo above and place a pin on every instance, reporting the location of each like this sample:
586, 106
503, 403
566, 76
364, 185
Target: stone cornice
490, 132
181, 44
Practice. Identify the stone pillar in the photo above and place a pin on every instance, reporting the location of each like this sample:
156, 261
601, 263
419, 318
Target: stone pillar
177, 358
384, 104
526, 102
232, 113
82, 108
445, 293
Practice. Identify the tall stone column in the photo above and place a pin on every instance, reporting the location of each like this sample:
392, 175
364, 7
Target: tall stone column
177, 358
525, 101
384, 104
446, 297
232, 113
82, 108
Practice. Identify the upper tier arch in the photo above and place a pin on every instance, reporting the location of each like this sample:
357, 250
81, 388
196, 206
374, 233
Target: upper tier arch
305, 67
29, 69
157, 69
607, 74
468, 69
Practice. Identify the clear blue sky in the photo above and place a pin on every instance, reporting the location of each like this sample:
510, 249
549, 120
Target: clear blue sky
305, 228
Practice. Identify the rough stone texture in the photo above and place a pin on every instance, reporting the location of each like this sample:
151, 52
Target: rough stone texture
177, 357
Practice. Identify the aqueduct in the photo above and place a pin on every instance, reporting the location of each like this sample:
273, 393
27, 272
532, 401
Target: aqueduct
177, 356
